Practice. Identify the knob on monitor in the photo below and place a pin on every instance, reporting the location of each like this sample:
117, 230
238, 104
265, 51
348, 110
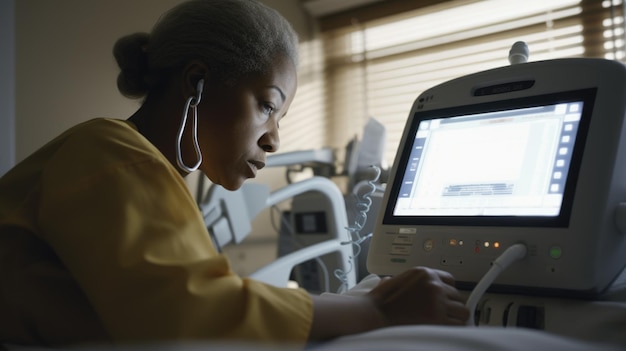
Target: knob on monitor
518, 53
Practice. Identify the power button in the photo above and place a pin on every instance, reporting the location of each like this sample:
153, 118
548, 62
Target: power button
556, 252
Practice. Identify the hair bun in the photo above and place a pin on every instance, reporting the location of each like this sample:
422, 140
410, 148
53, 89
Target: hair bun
129, 52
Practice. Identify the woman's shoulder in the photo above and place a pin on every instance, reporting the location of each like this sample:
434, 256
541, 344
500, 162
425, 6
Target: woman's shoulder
108, 130
108, 135
89, 151
104, 141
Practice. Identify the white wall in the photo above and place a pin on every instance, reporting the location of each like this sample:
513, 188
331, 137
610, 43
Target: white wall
7, 85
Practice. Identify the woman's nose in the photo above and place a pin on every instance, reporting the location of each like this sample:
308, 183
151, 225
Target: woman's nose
270, 141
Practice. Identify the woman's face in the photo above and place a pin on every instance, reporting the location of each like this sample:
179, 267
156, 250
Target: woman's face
238, 125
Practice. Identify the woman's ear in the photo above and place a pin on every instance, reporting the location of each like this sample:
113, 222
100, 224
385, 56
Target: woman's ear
193, 73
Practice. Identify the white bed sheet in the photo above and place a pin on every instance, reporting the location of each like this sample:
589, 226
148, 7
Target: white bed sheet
435, 338
578, 325
409, 338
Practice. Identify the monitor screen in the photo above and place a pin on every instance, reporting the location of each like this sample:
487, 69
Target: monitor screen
513, 162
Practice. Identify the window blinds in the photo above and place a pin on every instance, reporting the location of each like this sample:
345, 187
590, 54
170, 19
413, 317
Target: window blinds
376, 68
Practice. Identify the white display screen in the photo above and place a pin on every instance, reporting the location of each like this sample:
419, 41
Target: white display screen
500, 162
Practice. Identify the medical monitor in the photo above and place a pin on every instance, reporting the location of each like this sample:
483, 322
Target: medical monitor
532, 153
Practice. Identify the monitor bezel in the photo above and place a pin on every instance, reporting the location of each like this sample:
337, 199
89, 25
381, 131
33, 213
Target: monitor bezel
586, 96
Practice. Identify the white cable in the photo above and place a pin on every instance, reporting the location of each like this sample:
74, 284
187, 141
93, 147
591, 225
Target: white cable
513, 254
363, 205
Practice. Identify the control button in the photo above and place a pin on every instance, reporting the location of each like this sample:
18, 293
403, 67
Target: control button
429, 244
403, 239
556, 252
398, 260
400, 250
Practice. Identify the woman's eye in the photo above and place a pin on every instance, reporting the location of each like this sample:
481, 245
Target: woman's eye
268, 108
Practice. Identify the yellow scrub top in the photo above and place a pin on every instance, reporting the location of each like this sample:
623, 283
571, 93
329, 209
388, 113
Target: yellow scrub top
101, 241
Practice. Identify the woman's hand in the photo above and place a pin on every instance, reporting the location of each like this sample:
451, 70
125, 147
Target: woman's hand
420, 296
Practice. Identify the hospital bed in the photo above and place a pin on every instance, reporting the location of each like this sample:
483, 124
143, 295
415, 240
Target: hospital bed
228, 215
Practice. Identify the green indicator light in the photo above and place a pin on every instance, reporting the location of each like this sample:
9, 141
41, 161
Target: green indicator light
555, 252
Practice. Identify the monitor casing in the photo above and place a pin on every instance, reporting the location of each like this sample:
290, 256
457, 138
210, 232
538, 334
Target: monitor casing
578, 255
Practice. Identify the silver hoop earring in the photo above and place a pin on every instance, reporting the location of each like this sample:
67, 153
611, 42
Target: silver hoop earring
192, 102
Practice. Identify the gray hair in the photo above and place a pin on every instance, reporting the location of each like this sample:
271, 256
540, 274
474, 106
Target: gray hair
232, 37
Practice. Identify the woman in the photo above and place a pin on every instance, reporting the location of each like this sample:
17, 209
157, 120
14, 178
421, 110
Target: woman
101, 241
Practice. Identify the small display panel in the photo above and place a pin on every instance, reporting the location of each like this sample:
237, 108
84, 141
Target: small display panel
510, 162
